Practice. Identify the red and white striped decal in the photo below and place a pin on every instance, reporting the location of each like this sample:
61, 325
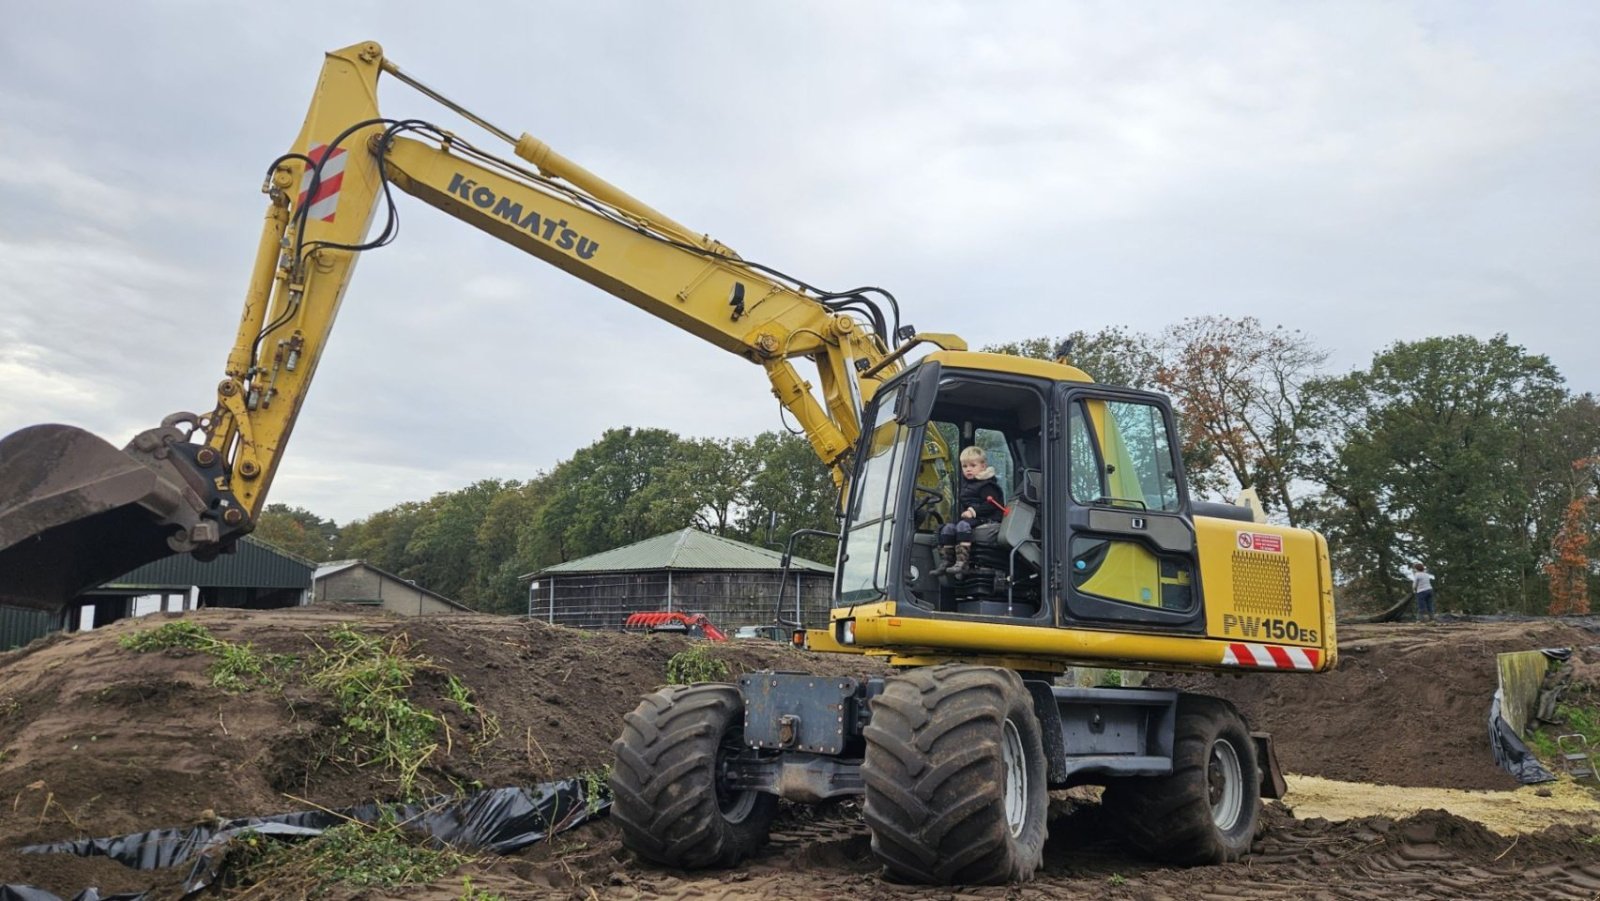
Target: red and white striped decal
1270, 656
326, 199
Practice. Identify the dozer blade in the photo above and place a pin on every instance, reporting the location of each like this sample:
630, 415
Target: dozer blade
76, 512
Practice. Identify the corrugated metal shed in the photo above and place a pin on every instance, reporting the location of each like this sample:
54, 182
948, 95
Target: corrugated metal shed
256, 564
18, 626
688, 549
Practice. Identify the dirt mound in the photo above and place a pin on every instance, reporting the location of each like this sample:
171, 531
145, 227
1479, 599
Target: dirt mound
97, 740
1408, 705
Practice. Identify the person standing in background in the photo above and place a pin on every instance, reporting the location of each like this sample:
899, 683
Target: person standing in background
1422, 587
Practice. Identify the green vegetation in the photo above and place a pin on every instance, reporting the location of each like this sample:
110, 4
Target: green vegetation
352, 855
695, 665
596, 788
238, 667
370, 681
1117, 879
1579, 714
468, 893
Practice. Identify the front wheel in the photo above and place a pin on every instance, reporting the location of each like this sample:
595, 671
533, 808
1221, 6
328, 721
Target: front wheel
669, 795
1205, 812
955, 777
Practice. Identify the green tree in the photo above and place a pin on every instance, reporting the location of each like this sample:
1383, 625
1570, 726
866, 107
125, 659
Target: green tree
381, 539
443, 553
614, 492
788, 489
508, 547
298, 531
1440, 452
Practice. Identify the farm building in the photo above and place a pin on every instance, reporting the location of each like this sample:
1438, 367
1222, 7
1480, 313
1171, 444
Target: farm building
733, 583
359, 582
257, 576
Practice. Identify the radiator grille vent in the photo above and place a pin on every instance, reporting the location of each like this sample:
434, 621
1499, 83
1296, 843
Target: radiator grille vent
1261, 583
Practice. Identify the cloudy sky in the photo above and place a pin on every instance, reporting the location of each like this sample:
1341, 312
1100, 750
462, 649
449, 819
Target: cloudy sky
1369, 173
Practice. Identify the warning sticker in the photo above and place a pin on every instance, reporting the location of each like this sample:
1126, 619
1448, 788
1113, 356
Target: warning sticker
1256, 541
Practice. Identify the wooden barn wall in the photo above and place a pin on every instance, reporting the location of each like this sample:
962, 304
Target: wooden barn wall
729, 599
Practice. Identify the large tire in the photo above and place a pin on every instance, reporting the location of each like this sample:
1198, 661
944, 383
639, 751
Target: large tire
667, 796
955, 777
1205, 812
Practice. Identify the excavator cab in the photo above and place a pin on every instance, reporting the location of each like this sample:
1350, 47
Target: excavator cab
1098, 532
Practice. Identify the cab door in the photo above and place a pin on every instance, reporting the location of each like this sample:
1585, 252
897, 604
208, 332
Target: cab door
1129, 544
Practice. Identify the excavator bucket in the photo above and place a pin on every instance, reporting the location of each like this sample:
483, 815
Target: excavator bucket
76, 512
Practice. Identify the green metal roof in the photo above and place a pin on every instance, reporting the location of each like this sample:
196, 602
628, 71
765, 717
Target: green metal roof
688, 549
255, 564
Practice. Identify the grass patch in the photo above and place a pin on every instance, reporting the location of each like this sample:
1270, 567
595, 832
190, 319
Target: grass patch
1579, 713
349, 856
238, 667
695, 665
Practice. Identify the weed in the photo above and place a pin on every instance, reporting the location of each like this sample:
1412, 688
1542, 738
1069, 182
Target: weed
351, 855
461, 695
9, 706
181, 634
238, 668
1110, 678
1117, 879
468, 893
488, 723
596, 788
369, 681
695, 665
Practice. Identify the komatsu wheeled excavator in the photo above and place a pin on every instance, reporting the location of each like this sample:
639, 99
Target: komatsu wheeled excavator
1102, 558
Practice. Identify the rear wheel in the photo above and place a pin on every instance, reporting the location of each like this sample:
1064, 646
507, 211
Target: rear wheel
1205, 812
955, 777
669, 793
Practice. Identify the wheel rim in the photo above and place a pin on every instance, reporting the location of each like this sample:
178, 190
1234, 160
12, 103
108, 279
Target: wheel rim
734, 804
1016, 782
1225, 784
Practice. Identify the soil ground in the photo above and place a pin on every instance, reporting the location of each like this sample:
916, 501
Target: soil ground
96, 740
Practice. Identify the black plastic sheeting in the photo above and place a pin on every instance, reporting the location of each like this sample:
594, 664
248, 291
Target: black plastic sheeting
1509, 751
501, 820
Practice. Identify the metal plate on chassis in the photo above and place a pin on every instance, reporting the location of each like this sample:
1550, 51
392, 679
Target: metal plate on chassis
798, 711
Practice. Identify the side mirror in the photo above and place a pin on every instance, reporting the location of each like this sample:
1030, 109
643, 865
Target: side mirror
914, 406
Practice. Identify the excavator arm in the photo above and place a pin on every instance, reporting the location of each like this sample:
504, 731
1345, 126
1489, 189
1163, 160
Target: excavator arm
75, 512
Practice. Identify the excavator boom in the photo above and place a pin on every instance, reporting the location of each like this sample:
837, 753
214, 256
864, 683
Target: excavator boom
75, 512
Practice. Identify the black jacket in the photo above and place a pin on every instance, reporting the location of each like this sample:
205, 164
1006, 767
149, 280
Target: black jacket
975, 493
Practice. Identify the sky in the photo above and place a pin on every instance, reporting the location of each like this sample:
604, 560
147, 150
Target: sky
1365, 172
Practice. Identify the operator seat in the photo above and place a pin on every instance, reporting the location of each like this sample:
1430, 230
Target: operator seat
1018, 526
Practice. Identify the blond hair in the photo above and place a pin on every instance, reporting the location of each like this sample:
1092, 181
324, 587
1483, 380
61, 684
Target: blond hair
977, 454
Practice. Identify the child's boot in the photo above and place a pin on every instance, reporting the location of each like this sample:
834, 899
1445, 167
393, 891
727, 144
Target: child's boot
947, 556
963, 560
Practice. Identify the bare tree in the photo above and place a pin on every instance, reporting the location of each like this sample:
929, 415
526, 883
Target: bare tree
1240, 387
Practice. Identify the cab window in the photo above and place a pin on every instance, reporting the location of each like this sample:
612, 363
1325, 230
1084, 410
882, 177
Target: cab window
1121, 455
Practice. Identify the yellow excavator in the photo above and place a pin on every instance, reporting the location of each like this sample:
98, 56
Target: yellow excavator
1100, 557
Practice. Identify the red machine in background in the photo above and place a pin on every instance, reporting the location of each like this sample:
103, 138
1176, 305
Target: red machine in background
695, 625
